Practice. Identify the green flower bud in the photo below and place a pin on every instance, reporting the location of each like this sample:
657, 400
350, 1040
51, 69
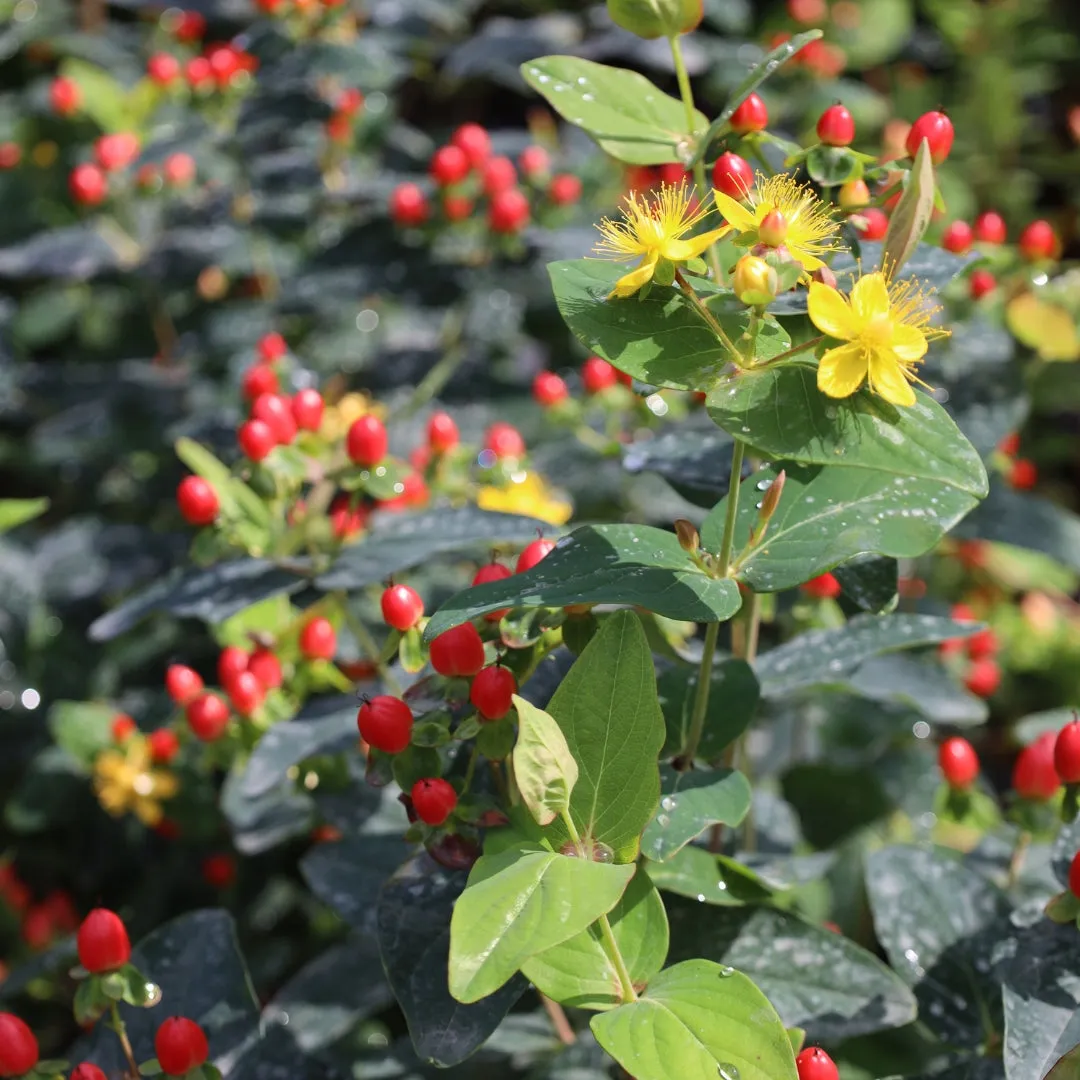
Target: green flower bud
656, 18
755, 281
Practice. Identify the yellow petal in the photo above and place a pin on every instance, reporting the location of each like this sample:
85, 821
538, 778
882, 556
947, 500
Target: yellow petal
734, 212
681, 250
888, 378
800, 254
830, 312
629, 284
148, 811
842, 371
908, 343
870, 298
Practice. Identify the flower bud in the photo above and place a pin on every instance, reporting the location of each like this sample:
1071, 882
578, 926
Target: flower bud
767, 507
824, 275
853, 195
656, 18
689, 540
773, 229
755, 281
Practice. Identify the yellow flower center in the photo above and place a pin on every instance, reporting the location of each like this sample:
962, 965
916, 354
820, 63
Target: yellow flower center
878, 332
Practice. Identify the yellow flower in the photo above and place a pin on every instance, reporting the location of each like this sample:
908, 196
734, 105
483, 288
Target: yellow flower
807, 225
338, 417
653, 228
124, 782
530, 495
886, 326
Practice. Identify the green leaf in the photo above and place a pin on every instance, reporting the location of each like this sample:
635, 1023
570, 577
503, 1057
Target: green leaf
698, 1021
660, 339
733, 701
870, 581
1067, 1067
921, 684
82, 728
104, 100
707, 878
826, 516
696, 463
689, 803
236, 498
835, 988
780, 413
519, 903
544, 769
821, 657
608, 710
912, 213
833, 800
579, 973
830, 166
603, 564
16, 512
628, 116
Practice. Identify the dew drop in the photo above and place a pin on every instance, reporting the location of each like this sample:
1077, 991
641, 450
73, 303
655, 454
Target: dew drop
726, 972
727, 1071
663, 820
668, 803
764, 484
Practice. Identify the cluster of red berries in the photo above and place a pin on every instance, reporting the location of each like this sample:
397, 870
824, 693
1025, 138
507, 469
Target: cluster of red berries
821, 58
983, 675
42, 922
1038, 242
597, 375
347, 106
465, 171
1022, 473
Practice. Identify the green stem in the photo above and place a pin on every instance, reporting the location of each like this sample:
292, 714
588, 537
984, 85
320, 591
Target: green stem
369, 645
709, 318
813, 343
701, 696
728, 538
117, 1025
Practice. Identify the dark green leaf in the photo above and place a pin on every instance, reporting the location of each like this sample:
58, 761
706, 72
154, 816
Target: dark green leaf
733, 701
690, 802
697, 464
261, 822
923, 685
833, 801
830, 166
82, 728
869, 581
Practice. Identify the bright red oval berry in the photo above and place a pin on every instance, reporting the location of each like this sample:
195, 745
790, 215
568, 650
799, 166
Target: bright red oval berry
433, 800
219, 871
275, 411
733, 175
64, 96
807, 11
982, 643
189, 26
266, 667
232, 660
367, 441
937, 129
307, 409
1023, 474
596, 375
990, 228
564, 189
318, 639
751, 115
508, 211
449, 165
255, 439
87, 1071
983, 677
18, 1047
197, 500
116, 150
271, 347
1074, 875
180, 1045
1034, 776
1038, 241
442, 433
549, 389
385, 722
458, 652
122, 727
492, 690
207, 716
981, 283
259, 379
402, 607
497, 174
958, 238
88, 185
493, 571
198, 72
163, 68
958, 762
823, 587
103, 942
163, 745
504, 441
1067, 753
409, 205
475, 141
533, 553
534, 162
875, 223
814, 1064
836, 126
245, 692
10, 155
182, 683
178, 169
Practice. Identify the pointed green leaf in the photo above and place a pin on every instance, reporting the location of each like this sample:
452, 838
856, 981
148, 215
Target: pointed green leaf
544, 768
690, 802
695, 1019
15, 512
709, 879
519, 903
733, 701
912, 213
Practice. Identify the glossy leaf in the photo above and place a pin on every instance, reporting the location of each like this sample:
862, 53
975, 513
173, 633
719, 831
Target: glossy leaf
870, 581
697, 464
708, 878
518, 904
922, 684
696, 1018
603, 564
544, 769
911, 215
733, 701
690, 802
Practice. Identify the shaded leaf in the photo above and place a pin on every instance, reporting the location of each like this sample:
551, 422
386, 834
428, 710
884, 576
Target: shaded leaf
690, 802
870, 581
733, 701
911, 215
544, 769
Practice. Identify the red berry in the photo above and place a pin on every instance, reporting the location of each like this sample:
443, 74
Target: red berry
259, 379
350, 102
498, 174
318, 639
836, 126
198, 72
182, 683
564, 189
449, 165
231, 662
366, 442
1024, 474
456, 207
245, 692
307, 409
224, 63
958, 238
597, 375
197, 500
937, 129
458, 652
10, 155
409, 205
534, 162
751, 115
116, 151
87, 1071
981, 283
1034, 775
491, 692
442, 433
493, 571
256, 439
180, 1045
958, 762
733, 175
1010, 445
983, 677
178, 170
549, 389
807, 12
103, 942
163, 745
18, 1047
504, 441
219, 871
123, 727
875, 223
433, 800
533, 554
275, 411
271, 347
814, 1064
88, 185
266, 667
163, 68
402, 607
1038, 241
385, 723
346, 520
1067, 753
64, 96
475, 141
208, 717
981, 644
823, 587
190, 26
508, 211
1074, 875
990, 228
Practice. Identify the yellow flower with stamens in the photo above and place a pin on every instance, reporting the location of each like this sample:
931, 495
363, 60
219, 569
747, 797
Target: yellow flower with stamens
654, 227
124, 783
886, 326
810, 227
